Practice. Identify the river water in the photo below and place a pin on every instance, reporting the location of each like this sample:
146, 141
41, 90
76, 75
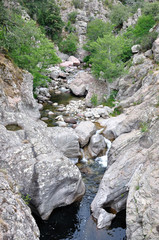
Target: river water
75, 221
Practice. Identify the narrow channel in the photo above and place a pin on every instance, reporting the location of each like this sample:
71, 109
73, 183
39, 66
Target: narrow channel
75, 221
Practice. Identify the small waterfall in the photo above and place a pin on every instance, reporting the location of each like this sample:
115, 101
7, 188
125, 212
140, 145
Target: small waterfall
104, 159
83, 160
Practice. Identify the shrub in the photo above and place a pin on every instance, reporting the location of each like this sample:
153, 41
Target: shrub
110, 101
119, 14
147, 41
106, 60
98, 28
143, 26
72, 17
94, 100
151, 9
78, 3
69, 45
69, 27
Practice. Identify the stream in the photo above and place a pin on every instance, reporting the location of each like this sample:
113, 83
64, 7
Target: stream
75, 221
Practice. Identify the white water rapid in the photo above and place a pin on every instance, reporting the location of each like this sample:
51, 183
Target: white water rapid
104, 159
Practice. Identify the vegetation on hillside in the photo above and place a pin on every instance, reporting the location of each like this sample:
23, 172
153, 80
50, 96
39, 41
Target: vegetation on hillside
47, 14
109, 48
26, 44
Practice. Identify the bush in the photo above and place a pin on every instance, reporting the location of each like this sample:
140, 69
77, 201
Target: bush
78, 3
152, 9
72, 17
69, 27
143, 26
98, 28
147, 41
106, 60
119, 14
69, 45
94, 100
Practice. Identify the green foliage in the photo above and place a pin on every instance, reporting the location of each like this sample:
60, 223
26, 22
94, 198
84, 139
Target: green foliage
117, 111
140, 35
69, 27
47, 14
152, 9
144, 127
26, 198
72, 17
105, 58
147, 41
98, 28
110, 101
137, 187
119, 14
27, 46
69, 45
143, 26
94, 100
78, 3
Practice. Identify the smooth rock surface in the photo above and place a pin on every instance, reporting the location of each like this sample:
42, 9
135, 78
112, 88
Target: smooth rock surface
29, 154
96, 145
85, 130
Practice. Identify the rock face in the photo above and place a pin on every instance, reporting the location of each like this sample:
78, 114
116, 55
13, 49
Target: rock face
85, 130
86, 10
16, 221
30, 155
96, 145
66, 140
133, 159
155, 50
84, 83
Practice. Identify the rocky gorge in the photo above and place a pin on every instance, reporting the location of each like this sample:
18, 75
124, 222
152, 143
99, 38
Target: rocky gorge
48, 144
37, 156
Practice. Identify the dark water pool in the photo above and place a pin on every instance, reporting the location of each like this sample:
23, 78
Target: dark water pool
75, 221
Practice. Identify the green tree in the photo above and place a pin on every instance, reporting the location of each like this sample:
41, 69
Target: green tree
69, 45
119, 14
98, 28
106, 58
47, 14
27, 45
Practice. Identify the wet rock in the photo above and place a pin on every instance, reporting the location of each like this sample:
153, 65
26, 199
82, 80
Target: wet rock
61, 124
44, 118
85, 130
96, 145
16, 221
70, 120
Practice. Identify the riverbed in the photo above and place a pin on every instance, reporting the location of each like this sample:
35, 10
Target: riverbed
75, 221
